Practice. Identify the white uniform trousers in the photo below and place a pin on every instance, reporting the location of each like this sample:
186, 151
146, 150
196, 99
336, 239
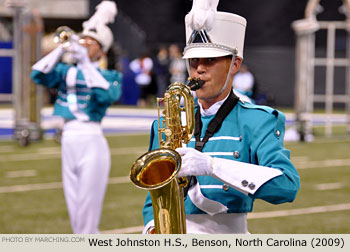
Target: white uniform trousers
85, 171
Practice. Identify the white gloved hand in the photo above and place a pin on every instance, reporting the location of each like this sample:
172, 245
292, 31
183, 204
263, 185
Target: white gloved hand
47, 63
194, 163
79, 53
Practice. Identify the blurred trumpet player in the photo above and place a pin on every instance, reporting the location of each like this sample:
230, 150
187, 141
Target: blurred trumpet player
84, 94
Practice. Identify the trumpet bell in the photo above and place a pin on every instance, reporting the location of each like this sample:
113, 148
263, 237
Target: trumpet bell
63, 35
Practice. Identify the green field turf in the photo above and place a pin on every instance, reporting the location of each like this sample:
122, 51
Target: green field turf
32, 199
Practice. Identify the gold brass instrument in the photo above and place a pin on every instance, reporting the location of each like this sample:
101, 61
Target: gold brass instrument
64, 35
156, 170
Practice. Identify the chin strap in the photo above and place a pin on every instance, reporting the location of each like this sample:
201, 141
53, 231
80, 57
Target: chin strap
227, 78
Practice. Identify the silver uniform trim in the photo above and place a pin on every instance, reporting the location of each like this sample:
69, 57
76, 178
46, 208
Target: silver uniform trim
82, 82
234, 51
211, 186
220, 138
80, 97
65, 104
219, 153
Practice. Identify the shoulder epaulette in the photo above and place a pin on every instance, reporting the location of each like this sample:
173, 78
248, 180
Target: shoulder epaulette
260, 107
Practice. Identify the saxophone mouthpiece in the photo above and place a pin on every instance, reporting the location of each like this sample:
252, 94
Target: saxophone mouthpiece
195, 83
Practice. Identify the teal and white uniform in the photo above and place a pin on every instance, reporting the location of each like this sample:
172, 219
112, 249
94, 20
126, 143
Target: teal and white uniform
82, 100
253, 136
91, 101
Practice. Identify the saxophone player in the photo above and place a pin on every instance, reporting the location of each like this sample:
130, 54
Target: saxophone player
236, 154
84, 94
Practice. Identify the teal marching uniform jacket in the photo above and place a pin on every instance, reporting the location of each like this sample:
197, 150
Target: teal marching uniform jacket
251, 134
92, 101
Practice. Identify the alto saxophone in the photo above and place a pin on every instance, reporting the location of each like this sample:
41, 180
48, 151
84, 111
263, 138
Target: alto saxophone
157, 170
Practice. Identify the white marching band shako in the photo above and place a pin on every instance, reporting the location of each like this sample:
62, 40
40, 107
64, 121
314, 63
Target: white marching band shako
226, 37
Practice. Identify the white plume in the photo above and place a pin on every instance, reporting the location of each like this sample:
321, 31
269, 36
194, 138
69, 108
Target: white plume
105, 13
202, 14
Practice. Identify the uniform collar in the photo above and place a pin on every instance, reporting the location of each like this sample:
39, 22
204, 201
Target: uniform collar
95, 64
213, 108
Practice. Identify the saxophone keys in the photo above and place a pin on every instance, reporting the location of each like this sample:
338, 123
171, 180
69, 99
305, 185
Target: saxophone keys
167, 132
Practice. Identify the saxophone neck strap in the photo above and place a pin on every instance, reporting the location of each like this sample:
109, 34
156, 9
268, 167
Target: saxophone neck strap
213, 127
215, 123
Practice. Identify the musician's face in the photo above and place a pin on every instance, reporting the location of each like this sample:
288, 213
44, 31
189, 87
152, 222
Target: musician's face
214, 72
94, 48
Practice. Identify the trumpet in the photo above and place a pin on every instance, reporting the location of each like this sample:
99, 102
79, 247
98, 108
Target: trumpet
65, 36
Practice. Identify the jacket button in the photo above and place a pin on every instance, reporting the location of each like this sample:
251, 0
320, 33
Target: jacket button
251, 186
278, 133
244, 183
236, 154
225, 188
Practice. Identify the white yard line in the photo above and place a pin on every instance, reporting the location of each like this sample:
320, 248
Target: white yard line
53, 185
329, 186
6, 148
300, 211
119, 180
54, 153
129, 151
29, 157
300, 159
113, 180
128, 230
21, 173
322, 163
46, 150
30, 187
257, 215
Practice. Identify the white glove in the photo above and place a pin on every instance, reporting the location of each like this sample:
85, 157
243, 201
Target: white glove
79, 53
47, 63
194, 163
92, 76
244, 177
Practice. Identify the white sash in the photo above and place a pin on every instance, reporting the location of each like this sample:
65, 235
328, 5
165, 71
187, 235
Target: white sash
72, 99
208, 206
